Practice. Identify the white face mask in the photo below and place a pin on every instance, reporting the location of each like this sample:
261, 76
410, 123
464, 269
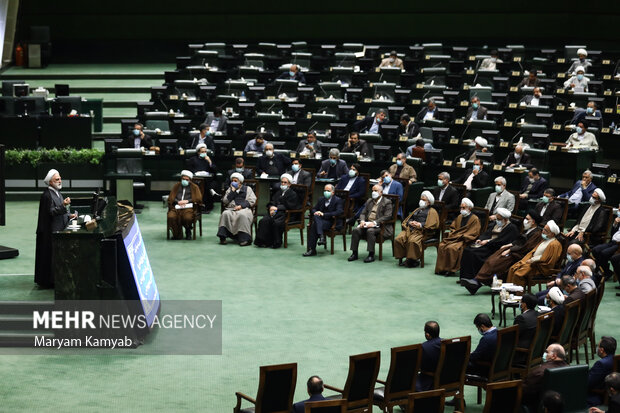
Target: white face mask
375, 195
465, 212
527, 224
422, 203
269, 153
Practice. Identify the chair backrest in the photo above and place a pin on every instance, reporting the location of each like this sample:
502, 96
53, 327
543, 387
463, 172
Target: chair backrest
432, 401
503, 397
571, 317
326, 406
483, 216
404, 367
253, 183
502, 360
302, 195
516, 195
617, 363
587, 307
348, 206
276, 388
564, 203
395, 202
544, 327
600, 290
360, 385
453, 359
571, 382
442, 211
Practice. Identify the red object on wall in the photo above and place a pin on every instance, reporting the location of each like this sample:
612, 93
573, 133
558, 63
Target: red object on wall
19, 55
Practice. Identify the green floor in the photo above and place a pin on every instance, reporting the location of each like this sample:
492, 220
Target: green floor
94, 69
278, 307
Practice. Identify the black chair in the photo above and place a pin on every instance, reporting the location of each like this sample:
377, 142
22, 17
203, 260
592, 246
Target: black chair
591, 335
503, 397
431, 401
392, 221
450, 372
532, 356
295, 217
571, 317
276, 389
572, 383
360, 385
580, 334
401, 378
326, 406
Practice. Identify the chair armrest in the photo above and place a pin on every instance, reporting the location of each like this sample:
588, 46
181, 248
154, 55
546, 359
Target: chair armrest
381, 381
521, 350
336, 389
242, 396
289, 212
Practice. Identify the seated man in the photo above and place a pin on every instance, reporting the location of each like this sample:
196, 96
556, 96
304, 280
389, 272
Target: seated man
499, 233
183, 197
539, 261
370, 124
555, 300
392, 187
216, 121
602, 253
202, 163
417, 150
392, 61
581, 192
401, 170
590, 110
463, 230
501, 198
583, 276
476, 111
481, 357
527, 321
574, 258
203, 137
299, 175
409, 242
580, 62
257, 144
240, 168
427, 113
606, 350
356, 185
408, 127
324, 213
377, 210
517, 158
474, 177
592, 220
490, 63
533, 99
548, 208
310, 147
448, 194
236, 220
271, 226
431, 349
356, 145
293, 74
271, 164
553, 357
315, 391
334, 167
507, 255
612, 383
532, 187
578, 82
582, 139
138, 139
531, 80
569, 284
480, 145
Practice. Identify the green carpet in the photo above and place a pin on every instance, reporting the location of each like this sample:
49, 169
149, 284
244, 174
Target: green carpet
94, 69
278, 307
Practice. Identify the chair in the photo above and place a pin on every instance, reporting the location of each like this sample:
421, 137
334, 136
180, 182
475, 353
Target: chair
360, 385
564, 202
516, 194
483, 216
599, 296
603, 235
326, 406
392, 221
572, 383
295, 217
253, 183
276, 388
501, 364
403, 203
334, 231
503, 397
533, 354
431, 401
450, 372
617, 363
571, 317
401, 378
432, 238
580, 334
197, 220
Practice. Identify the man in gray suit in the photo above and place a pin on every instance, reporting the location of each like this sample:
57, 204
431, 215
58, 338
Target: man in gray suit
476, 111
310, 147
334, 167
378, 209
501, 198
216, 121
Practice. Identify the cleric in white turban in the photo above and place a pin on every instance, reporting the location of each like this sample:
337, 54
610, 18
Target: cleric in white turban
237, 217
271, 226
185, 198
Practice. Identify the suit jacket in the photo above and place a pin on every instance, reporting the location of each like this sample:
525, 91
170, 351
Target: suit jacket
553, 212
577, 294
280, 162
406, 172
597, 223
600, 369
532, 384
451, 197
558, 319
299, 407
524, 160
304, 177
146, 143
430, 357
221, 127
589, 141
340, 169
53, 215
365, 124
479, 181
419, 118
396, 188
302, 144
527, 99
357, 190
614, 404
527, 323
247, 174
207, 141
538, 187
580, 115
587, 193
334, 209
482, 112
298, 76
485, 350
504, 200
196, 163
361, 147
384, 213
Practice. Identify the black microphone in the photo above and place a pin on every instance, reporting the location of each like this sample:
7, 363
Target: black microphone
430, 79
464, 131
478, 63
324, 91
312, 126
514, 137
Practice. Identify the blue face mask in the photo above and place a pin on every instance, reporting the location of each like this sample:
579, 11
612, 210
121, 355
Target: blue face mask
474, 105
544, 357
476, 167
284, 187
295, 168
387, 180
545, 199
579, 130
352, 173
239, 170
589, 111
184, 182
546, 302
327, 194
333, 162
399, 162
203, 155
291, 73
498, 188
235, 184
136, 132
579, 77
439, 183
545, 237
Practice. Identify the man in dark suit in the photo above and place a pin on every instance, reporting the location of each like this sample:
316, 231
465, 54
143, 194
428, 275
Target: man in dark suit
596, 377
532, 187
138, 139
548, 208
377, 210
310, 146
569, 284
315, 391
476, 111
430, 356
590, 110
474, 177
426, 113
356, 185
533, 99
408, 127
204, 137
517, 157
271, 164
485, 351
53, 216
574, 258
300, 177
355, 144
293, 74
612, 382
581, 192
371, 124
216, 121
553, 357
239, 168
527, 320
334, 167
448, 194
324, 213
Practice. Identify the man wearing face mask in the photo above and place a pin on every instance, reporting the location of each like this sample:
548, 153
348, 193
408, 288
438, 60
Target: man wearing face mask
371, 124
236, 219
574, 258
355, 184
309, 147
533, 99
592, 220
377, 210
271, 226
271, 164
447, 194
532, 188
582, 139
490, 63
184, 197
202, 162
606, 350
138, 139
548, 208
590, 110
541, 260
426, 113
603, 253
334, 167
527, 322
463, 231
583, 276
355, 144
581, 61
578, 82
299, 175
216, 121
392, 61
293, 74
517, 157
392, 187
204, 137
401, 170
569, 284
501, 198
53, 216
475, 177
476, 111
553, 357
481, 357
324, 215
581, 192
239, 168
409, 242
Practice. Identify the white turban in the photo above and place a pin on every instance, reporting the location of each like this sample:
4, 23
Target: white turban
481, 141
467, 202
287, 176
601, 194
200, 145
429, 196
582, 51
503, 212
50, 175
185, 172
579, 69
555, 294
553, 227
238, 176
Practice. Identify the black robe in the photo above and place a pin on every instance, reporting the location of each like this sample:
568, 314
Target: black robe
473, 258
53, 216
271, 228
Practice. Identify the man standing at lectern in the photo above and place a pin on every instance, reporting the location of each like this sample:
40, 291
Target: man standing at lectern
53, 216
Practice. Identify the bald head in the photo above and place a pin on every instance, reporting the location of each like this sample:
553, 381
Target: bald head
575, 251
377, 188
590, 263
555, 352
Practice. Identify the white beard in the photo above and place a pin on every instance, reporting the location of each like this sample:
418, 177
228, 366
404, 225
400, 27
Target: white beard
57, 186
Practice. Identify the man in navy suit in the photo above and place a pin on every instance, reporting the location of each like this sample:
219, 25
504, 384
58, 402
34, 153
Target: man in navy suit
581, 192
315, 391
487, 346
574, 258
392, 187
334, 167
590, 110
356, 185
532, 187
596, 378
370, 124
324, 212
430, 356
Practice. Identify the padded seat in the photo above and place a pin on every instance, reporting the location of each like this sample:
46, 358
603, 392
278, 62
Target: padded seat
379, 394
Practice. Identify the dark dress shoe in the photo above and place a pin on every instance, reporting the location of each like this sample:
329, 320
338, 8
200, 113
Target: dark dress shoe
310, 253
244, 243
370, 258
413, 263
322, 240
401, 263
353, 257
471, 285
188, 234
223, 240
